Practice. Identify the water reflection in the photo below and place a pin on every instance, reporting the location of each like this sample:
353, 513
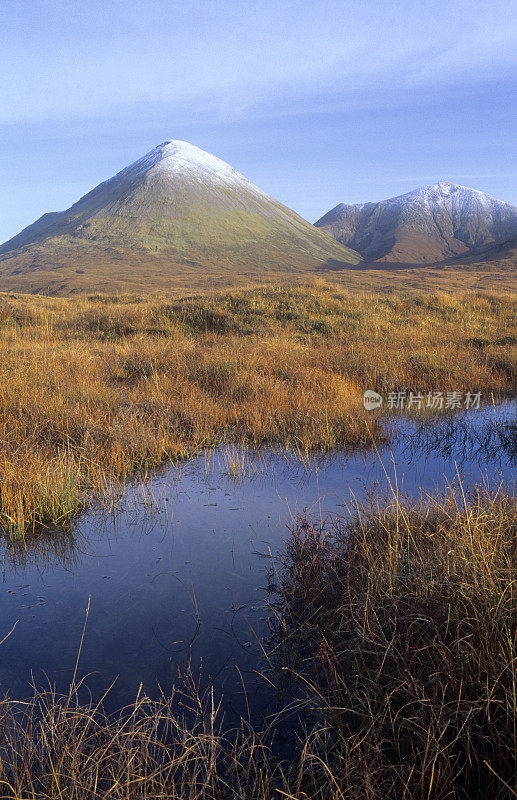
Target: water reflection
52, 548
179, 576
489, 438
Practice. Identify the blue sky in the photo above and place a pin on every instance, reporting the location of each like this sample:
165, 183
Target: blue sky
317, 103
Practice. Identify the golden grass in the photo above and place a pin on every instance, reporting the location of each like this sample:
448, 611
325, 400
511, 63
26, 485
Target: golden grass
93, 389
400, 624
55, 747
404, 622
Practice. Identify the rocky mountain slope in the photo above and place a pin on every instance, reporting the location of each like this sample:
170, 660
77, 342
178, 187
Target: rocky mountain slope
426, 226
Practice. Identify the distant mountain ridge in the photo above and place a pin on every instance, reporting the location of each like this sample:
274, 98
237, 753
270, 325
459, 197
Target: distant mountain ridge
178, 213
426, 226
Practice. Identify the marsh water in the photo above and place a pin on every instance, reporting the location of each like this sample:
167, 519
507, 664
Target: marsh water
179, 575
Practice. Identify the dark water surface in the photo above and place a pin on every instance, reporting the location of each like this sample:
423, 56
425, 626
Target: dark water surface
181, 574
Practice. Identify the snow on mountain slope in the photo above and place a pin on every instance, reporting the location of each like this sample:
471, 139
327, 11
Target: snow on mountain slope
160, 177
178, 206
427, 225
175, 157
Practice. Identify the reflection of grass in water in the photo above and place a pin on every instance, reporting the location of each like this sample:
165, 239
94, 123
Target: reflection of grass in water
491, 437
53, 546
240, 462
142, 504
126, 384
237, 464
401, 623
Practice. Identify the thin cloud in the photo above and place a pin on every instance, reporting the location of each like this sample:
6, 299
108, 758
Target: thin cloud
236, 59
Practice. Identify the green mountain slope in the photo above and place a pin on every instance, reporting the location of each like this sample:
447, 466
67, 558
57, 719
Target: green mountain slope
177, 216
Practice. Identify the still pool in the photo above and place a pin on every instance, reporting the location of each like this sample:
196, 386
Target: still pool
179, 575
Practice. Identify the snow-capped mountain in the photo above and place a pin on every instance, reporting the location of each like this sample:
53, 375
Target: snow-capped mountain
176, 213
428, 225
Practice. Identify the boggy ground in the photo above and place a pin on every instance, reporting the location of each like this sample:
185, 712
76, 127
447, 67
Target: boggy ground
94, 388
399, 624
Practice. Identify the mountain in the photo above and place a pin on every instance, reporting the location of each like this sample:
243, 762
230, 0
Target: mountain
178, 216
494, 255
427, 226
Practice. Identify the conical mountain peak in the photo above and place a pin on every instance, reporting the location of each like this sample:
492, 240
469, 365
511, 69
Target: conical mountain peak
178, 157
176, 212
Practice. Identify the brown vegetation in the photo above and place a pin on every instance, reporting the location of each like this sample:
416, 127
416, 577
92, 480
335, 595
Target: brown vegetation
399, 623
96, 388
404, 623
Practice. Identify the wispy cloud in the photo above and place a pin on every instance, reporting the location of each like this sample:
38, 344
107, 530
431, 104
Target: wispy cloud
317, 102
65, 60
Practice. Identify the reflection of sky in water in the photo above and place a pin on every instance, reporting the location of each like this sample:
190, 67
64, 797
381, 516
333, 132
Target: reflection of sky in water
188, 580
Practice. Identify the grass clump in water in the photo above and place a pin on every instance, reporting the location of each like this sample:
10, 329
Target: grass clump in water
402, 621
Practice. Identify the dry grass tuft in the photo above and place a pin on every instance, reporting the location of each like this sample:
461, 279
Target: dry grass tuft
174, 748
404, 622
96, 388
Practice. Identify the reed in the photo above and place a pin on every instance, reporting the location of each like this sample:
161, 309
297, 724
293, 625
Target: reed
401, 623
94, 389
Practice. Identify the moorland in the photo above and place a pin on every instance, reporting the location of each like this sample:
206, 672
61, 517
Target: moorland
398, 622
97, 388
